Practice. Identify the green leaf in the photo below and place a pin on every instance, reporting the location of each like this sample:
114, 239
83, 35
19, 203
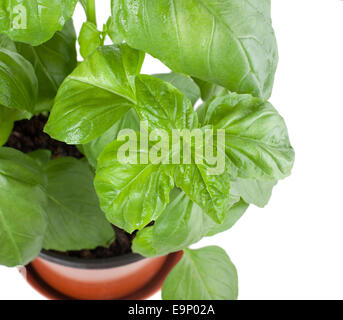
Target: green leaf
203, 274
75, 221
41, 156
89, 39
96, 95
7, 43
131, 195
165, 107
93, 149
253, 191
181, 224
227, 42
235, 212
6, 123
18, 82
22, 202
53, 61
34, 21
143, 244
7, 119
209, 90
210, 192
6, 128
184, 83
257, 142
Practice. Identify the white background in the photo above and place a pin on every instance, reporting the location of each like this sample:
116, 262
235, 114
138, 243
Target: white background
292, 249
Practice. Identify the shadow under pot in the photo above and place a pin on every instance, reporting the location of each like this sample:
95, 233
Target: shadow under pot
128, 277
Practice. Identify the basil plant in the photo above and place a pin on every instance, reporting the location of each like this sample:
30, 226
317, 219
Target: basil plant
223, 56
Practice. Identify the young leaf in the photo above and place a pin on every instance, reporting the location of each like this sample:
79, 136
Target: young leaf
235, 212
131, 195
22, 202
89, 39
96, 95
93, 149
163, 105
166, 108
181, 224
214, 41
53, 61
184, 83
33, 21
143, 243
257, 142
253, 191
18, 82
75, 221
210, 192
203, 274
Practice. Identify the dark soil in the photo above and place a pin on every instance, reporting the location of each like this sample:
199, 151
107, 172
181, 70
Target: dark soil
122, 245
28, 136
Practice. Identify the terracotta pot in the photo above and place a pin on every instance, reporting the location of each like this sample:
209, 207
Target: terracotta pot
128, 277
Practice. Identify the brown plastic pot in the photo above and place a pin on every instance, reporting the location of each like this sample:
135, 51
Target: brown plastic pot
127, 277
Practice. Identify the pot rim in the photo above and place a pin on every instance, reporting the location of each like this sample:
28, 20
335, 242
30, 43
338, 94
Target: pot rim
79, 263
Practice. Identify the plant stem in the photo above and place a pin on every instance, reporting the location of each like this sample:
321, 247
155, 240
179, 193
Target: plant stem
91, 11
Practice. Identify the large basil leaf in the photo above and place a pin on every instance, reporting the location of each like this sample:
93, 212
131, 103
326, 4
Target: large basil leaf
184, 83
34, 21
132, 195
257, 142
203, 274
93, 149
53, 62
18, 82
166, 108
214, 41
96, 95
75, 221
22, 202
253, 191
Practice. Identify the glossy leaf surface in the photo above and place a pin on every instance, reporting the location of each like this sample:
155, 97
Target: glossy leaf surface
34, 21
96, 95
215, 41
